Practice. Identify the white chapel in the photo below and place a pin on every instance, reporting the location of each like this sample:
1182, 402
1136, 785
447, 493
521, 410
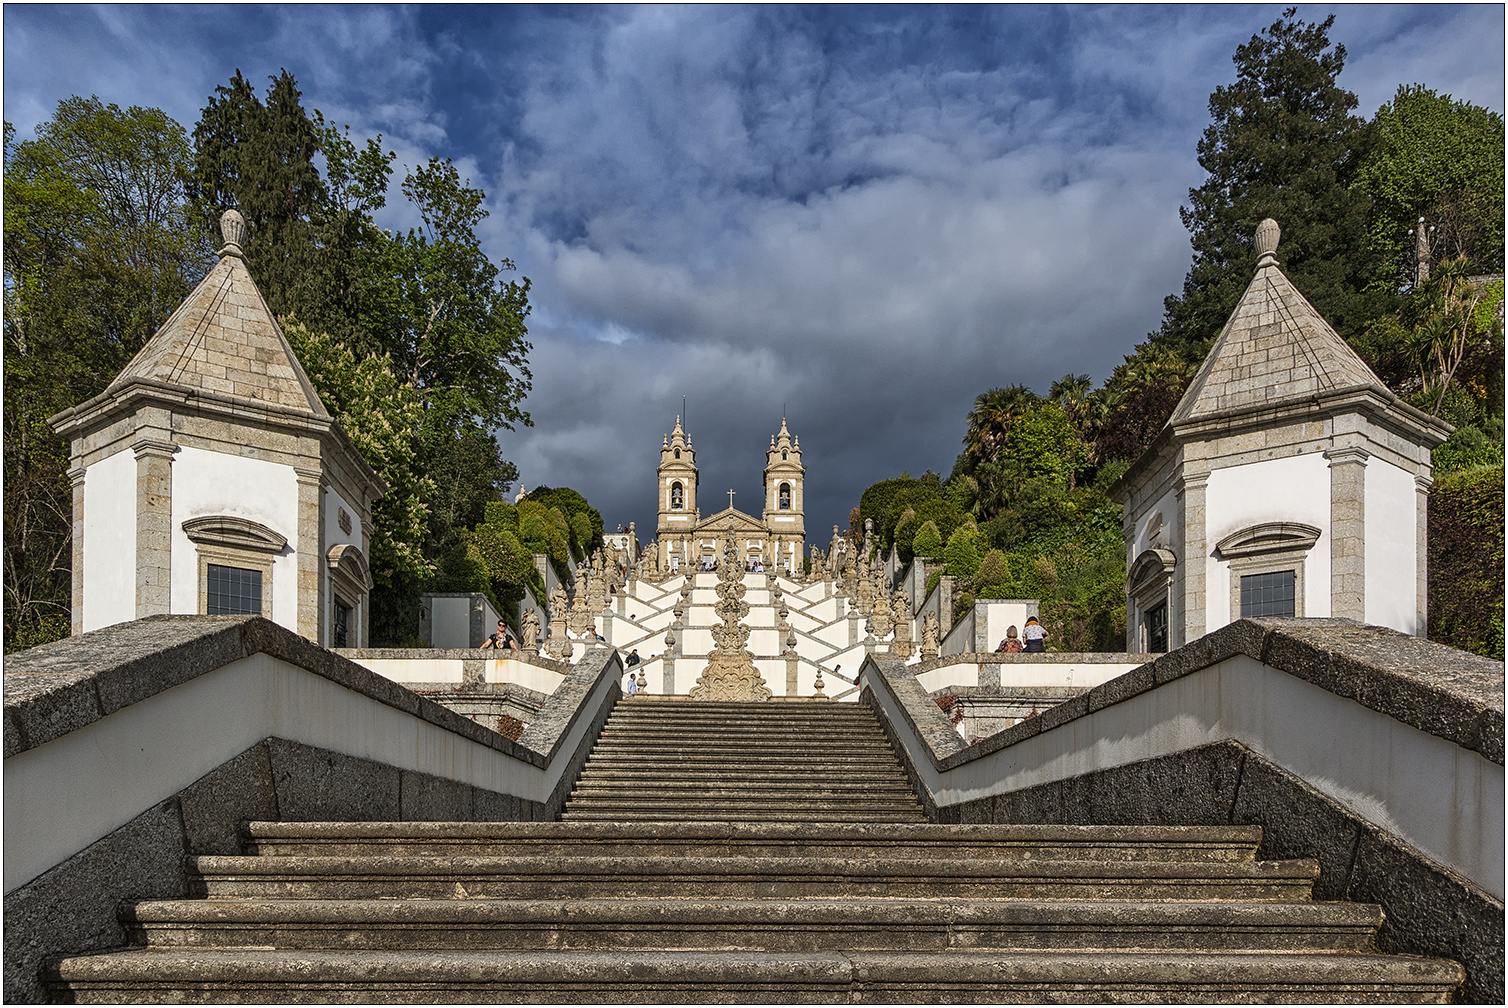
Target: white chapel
208, 478
1290, 481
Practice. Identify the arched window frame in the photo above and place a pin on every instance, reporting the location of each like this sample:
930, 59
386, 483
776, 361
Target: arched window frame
1149, 585
236, 542
1267, 548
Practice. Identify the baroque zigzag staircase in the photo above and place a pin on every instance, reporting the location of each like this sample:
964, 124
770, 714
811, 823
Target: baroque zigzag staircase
749, 852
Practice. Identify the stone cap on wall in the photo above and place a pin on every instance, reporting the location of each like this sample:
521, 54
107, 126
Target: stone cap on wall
453, 654
53, 689
1034, 658
1451, 694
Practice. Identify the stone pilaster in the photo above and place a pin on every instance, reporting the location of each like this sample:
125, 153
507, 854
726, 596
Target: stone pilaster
1422, 486
311, 552
1192, 595
154, 525
76, 478
1348, 484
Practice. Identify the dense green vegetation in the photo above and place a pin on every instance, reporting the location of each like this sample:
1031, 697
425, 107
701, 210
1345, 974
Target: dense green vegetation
1023, 513
416, 341
99, 249
1466, 560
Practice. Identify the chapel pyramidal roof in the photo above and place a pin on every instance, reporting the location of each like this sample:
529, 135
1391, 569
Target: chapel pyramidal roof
1274, 350
223, 339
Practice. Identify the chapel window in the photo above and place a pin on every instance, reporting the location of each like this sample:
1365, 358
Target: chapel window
233, 591
1269, 594
677, 497
236, 557
1157, 629
785, 496
339, 632
785, 453
677, 453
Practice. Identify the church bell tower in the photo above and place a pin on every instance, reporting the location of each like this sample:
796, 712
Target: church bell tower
784, 503
678, 511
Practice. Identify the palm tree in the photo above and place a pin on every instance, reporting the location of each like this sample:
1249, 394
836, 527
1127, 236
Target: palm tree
990, 420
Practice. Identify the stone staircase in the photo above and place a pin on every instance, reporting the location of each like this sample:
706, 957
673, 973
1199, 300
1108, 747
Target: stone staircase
669, 760
710, 854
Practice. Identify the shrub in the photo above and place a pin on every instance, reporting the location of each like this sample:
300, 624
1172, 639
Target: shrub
1466, 561
928, 541
964, 551
992, 576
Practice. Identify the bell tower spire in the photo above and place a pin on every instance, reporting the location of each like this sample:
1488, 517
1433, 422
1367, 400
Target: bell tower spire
677, 506
784, 499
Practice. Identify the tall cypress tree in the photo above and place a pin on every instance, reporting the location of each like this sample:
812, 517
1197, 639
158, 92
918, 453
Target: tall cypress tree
259, 159
1283, 144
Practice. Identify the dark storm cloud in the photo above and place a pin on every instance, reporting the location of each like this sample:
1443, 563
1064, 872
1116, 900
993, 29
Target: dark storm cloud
862, 216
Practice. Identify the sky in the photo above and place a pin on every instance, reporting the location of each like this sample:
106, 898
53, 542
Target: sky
856, 217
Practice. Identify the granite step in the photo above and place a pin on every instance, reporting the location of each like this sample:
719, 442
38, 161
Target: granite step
750, 925
742, 814
652, 876
897, 840
641, 976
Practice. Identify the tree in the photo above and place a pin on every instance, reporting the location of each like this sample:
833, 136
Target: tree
259, 159
428, 301
1442, 161
98, 251
1282, 144
928, 541
378, 411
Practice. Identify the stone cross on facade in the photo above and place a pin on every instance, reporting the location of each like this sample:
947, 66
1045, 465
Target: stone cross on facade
730, 498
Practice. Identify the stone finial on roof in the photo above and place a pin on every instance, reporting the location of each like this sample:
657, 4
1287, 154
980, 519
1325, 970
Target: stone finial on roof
1267, 237
233, 230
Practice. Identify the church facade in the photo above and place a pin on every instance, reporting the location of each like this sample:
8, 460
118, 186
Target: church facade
775, 540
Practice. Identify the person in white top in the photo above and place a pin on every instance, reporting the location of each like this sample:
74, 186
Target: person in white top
1034, 636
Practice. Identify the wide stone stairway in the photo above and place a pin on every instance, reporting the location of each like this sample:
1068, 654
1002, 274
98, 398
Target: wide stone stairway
749, 853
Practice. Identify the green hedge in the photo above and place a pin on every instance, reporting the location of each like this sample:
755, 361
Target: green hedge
1466, 561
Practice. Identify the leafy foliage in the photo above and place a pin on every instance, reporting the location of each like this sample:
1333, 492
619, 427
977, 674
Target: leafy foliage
928, 541
1441, 161
1466, 561
98, 251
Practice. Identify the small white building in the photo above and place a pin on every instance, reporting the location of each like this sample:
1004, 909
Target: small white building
208, 478
1289, 482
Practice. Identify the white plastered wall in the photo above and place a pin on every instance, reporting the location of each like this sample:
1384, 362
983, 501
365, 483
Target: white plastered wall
1141, 541
1294, 489
334, 536
1391, 544
213, 483
110, 541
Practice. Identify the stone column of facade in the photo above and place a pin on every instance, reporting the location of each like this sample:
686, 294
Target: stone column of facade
944, 606
1191, 591
76, 603
1421, 553
1348, 484
311, 582
154, 525
363, 634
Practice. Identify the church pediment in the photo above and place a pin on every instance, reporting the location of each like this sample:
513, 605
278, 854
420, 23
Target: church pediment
719, 522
